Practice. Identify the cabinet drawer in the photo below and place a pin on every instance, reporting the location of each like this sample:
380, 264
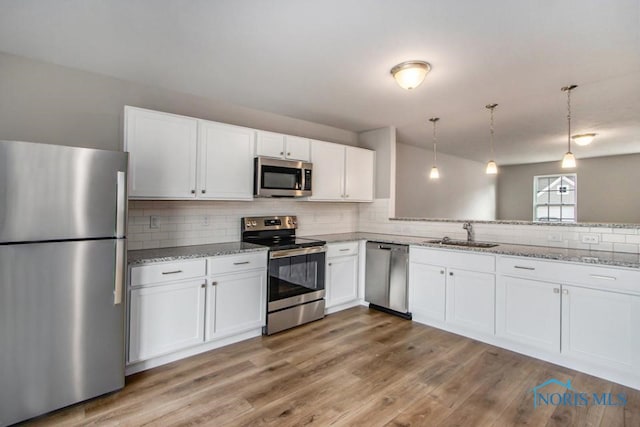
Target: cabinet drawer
342, 249
452, 258
167, 272
615, 279
232, 263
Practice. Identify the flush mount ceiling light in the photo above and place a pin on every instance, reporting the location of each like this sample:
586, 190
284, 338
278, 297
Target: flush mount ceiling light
410, 74
584, 138
568, 160
492, 167
434, 174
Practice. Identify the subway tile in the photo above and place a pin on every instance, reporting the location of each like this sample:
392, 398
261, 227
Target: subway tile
625, 247
614, 238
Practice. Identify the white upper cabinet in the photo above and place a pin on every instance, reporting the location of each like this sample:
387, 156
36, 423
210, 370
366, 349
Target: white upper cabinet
225, 161
358, 174
341, 173
162, 154
281, 146
328, 171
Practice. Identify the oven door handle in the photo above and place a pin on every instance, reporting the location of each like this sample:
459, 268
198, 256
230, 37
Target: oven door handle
297, 251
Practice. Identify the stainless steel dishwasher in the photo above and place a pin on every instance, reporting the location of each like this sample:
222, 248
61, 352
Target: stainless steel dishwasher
386, 278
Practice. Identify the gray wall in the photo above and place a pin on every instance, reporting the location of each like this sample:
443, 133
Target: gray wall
43, 102
607, 189
463, 191
383, 142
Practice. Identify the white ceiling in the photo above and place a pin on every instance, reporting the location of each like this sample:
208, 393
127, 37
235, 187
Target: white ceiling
328, 62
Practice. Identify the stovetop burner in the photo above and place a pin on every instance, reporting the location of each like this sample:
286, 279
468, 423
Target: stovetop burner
276, 232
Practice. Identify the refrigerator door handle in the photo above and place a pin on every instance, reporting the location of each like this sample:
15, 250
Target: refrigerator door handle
121, 204
120, 271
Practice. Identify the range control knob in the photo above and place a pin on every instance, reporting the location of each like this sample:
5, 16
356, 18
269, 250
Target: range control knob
254, 223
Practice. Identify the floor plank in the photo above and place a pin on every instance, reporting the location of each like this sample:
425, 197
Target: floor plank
355, 367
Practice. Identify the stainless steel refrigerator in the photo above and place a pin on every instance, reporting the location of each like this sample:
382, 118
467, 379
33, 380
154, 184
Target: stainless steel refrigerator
62, 272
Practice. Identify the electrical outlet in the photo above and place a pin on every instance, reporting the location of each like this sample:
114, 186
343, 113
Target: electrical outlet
154, 221
591, 239
205, 220
554, 237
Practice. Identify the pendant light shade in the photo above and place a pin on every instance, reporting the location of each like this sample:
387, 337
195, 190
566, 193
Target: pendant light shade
492, 167
410, 74
435, 173
569, 160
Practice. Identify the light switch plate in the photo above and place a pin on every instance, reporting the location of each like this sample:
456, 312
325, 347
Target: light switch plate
154, 221
590, 239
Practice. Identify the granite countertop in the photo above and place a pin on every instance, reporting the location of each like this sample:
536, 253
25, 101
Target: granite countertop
616, 259
148, 256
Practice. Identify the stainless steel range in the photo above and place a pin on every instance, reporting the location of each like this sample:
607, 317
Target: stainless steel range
296, 271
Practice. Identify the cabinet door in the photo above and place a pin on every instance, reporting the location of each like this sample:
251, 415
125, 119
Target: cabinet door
528, 312
236, 303
359, 175
166, 318
297, 148
471, 300
601, 327
427, 290
328, 171
342, 280
270, 144
225, 161
162, 154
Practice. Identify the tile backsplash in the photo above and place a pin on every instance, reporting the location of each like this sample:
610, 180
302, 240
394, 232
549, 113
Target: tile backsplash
181, 223
374, 217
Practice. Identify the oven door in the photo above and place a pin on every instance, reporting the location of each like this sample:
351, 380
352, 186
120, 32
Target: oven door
296, 276
282, 178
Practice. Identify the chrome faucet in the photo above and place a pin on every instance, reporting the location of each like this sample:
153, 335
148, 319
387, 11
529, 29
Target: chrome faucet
469, 227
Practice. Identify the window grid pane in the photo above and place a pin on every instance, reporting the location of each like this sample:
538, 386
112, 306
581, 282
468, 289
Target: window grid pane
555, 198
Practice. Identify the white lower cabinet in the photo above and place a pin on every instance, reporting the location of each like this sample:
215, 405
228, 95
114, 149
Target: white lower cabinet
341, 278
235, 303
166, 318
601, 327
172, 319
471, 300
427, 290
528, 312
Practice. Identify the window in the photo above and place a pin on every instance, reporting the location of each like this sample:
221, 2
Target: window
554, 198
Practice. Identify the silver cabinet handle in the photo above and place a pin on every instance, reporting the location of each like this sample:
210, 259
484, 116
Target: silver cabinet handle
172, 272
565, 292
204, 191
386, 248
451, 273
598, 276
441, 271
214, 283
521, 267
344, 250
288, 154
556, 290
193, 191
329, 264
282, 153
121, 203
241, 263
204, 285
346, 195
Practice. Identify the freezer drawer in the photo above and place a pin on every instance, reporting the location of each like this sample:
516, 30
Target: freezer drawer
61, 332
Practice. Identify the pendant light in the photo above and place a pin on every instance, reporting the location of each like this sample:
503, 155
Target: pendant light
434, 174
410, 74
569, 160
492, 168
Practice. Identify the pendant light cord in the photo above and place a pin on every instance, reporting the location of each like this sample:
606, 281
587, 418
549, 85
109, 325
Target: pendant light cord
491, 131
435, 153
569, 119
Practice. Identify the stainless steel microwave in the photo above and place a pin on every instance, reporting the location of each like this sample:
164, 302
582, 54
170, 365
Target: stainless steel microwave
281, 178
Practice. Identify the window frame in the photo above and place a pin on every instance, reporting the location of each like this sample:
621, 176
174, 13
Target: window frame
574, 176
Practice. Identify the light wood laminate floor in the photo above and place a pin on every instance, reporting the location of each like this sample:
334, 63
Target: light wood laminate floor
356, 367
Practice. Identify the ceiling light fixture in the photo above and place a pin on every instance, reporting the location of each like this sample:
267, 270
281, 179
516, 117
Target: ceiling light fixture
584, 138
568, 160
410, 74
434, 174
492, 167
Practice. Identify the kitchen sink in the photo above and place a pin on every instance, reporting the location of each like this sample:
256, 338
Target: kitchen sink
465, 243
